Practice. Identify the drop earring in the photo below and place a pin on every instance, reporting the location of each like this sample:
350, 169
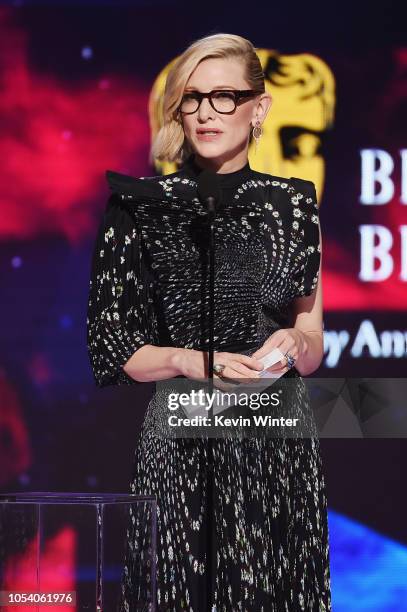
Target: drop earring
257, 132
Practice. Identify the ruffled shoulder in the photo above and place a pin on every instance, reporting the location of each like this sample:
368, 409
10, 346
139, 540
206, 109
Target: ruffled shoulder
130, 185
306, 217
154, 199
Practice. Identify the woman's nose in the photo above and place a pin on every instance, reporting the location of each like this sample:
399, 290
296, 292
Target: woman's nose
205, 109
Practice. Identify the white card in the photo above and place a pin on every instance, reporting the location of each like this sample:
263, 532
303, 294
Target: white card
268, 360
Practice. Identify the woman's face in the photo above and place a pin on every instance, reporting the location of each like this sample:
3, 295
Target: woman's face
231, 142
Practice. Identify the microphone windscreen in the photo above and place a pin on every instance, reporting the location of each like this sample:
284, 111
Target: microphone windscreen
208, 185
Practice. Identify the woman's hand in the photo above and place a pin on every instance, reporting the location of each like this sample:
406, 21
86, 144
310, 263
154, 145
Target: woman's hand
194, 364
288, 339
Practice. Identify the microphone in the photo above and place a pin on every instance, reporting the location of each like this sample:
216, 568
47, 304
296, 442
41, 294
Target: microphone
209, 193
209, 190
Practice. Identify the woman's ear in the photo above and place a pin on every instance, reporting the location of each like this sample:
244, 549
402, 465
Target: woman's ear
264, 105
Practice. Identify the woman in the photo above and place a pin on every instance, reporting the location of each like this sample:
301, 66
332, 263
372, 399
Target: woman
147, 321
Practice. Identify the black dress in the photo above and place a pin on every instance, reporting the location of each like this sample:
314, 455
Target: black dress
149, 286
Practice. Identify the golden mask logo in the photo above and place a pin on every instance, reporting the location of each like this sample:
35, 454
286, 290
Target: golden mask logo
302, 88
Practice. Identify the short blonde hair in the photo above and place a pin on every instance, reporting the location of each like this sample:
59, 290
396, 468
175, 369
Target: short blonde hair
170, 143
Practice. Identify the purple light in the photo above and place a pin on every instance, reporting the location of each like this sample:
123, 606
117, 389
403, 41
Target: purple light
24, 479
87, 52
16, 262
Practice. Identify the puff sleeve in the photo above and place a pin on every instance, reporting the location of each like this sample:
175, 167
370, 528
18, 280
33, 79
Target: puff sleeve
120, 314
306, 215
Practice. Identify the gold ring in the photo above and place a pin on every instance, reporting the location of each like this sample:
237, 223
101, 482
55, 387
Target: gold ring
218, 368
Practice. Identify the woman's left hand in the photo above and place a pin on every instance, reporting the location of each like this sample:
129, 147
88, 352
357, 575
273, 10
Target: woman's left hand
289, 340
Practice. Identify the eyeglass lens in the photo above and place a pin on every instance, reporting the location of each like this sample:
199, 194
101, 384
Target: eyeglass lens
223, 101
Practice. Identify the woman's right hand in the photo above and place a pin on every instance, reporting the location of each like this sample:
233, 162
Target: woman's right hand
194, 364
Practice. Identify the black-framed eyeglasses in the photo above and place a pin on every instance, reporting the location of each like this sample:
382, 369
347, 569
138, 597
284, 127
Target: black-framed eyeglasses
222, 101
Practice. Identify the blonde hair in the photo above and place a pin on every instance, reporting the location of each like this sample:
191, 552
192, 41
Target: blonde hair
170, 143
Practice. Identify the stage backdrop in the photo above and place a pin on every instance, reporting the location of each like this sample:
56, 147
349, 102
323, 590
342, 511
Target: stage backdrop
81, 88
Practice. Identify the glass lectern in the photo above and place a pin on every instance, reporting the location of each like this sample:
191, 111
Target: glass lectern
77, 551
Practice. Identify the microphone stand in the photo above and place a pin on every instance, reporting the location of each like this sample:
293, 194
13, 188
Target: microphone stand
210, 465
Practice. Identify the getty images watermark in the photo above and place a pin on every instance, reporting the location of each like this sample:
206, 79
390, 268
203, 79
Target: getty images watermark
191, 409
198, 400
